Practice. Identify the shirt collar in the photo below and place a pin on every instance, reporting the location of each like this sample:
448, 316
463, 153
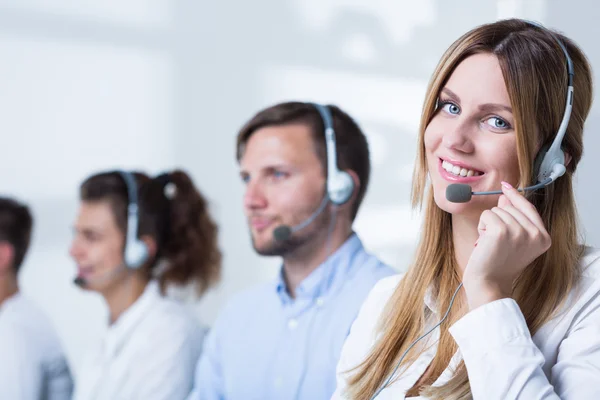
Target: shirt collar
326, 275
10, 300
430, 299
120, 330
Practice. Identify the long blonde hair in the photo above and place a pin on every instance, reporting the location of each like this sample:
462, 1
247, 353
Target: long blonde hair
535, 73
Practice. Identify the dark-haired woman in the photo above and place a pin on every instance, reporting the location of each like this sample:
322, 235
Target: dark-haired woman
135, 236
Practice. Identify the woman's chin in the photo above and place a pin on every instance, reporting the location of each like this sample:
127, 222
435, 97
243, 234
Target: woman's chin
475, 206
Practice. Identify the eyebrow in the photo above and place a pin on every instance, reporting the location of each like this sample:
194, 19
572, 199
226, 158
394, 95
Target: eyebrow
88, 231
272, 165
494, 107
489, 107
268, 167
451, 94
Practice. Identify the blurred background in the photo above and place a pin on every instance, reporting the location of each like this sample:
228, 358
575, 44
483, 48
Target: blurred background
90, 85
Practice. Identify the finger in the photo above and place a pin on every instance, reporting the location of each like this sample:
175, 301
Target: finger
522, 219
503, 201
522, 204
511, 222
507, 205
489, 221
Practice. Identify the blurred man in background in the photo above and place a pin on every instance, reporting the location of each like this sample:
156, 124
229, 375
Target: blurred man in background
306, 169
33, 365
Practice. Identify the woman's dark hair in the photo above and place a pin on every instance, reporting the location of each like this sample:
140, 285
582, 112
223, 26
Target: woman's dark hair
175, 214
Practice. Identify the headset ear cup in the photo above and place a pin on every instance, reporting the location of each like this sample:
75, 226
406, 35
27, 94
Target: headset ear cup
343, 188
136, 254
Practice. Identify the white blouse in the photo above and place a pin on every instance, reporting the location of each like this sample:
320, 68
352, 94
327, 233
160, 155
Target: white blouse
561, 361
149, 353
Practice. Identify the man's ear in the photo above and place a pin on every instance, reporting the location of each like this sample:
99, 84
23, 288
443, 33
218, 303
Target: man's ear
7, 256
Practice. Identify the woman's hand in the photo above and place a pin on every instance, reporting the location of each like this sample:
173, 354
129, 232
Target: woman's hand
511, 236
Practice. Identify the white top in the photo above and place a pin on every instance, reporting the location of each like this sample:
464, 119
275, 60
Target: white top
32, 363
149, 353
561, 361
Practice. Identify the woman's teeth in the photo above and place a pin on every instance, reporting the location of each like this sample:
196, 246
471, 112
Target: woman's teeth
458, 171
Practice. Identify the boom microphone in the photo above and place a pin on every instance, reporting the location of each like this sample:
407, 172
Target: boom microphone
461, 193
83, 282
284, 232
80, 281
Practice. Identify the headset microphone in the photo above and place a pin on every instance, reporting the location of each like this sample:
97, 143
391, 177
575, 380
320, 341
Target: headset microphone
284, 232
83, 282
80, 281
461, 193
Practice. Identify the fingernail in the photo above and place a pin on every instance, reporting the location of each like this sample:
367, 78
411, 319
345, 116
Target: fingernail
507, 185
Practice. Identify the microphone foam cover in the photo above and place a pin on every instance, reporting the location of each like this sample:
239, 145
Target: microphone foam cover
282, 233
79, 281
458, 193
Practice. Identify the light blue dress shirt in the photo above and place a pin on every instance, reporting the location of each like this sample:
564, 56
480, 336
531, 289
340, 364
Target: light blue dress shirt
267, 346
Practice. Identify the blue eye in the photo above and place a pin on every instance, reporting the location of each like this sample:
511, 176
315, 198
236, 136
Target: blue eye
450, 108
279, 175
498, 123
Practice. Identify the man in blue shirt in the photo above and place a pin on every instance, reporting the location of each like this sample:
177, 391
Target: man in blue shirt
282, 340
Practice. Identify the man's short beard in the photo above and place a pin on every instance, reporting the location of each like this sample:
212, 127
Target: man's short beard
276, 248
281, 249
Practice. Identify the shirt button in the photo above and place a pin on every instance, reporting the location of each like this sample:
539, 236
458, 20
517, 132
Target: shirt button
278, 382
320, 301
292, 323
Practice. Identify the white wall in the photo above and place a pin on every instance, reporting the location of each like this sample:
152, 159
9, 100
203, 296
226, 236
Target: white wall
88, 85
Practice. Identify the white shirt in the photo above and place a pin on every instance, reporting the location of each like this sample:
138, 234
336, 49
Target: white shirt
149, 353
32, 363
561, 361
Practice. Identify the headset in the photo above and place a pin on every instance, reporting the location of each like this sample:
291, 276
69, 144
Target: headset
550, 161
136, 252
340, 185
549, 165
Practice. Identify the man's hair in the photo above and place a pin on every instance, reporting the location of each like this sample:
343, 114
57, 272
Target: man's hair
16, 223
352, 146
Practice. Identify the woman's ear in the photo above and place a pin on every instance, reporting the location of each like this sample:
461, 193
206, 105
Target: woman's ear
568, 159
150, 244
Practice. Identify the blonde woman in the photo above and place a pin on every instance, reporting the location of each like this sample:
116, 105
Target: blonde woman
525, 321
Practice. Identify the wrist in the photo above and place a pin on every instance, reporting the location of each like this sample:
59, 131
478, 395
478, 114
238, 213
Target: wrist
481, 291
